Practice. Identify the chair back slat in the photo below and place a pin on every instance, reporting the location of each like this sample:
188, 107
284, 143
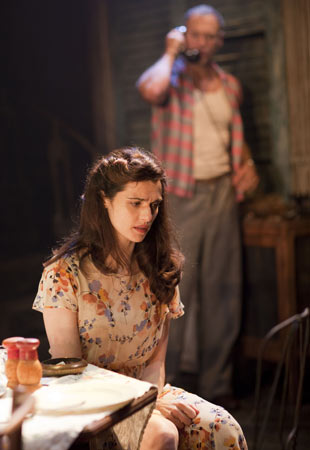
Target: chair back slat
289, 376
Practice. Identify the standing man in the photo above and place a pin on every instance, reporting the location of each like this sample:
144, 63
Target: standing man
197, 132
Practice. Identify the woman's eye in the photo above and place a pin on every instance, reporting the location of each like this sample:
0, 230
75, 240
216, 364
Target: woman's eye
136, 204
155, 206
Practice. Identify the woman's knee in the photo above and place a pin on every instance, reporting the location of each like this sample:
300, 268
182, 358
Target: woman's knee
169, 435
160, 433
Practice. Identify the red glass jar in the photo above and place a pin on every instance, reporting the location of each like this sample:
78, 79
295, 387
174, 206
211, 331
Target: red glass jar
12, 360
29, 369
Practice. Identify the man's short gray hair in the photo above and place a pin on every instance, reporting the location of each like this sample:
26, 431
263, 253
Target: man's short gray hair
202, 10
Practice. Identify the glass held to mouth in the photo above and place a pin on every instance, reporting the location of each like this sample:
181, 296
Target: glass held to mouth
191, 54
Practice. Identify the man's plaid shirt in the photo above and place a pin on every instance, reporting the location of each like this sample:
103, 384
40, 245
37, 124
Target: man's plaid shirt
172, 128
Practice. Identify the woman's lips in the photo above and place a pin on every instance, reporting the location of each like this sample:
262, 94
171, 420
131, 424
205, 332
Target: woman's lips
142, 230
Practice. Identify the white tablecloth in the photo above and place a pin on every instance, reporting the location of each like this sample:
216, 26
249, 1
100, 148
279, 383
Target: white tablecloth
58, 432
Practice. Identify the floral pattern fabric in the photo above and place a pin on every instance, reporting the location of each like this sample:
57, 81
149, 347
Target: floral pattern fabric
120, 320
213, 428
120, 323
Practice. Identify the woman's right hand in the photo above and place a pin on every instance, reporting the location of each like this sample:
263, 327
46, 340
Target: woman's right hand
178, 412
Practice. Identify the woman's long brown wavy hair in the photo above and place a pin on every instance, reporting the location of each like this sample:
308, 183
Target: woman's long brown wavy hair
157, 255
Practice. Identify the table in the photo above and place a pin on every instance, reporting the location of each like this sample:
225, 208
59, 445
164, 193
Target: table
59, 429
279, 233
95, 429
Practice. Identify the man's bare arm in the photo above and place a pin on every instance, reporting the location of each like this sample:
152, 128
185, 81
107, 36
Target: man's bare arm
154, 83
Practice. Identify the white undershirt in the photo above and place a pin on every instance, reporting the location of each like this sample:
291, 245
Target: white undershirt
211, 126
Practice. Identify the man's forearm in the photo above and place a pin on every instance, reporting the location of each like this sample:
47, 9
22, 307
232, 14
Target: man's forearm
154, 83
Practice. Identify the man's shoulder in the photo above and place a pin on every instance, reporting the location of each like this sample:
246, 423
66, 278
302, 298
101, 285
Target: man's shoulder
229, 77
232, 82
232, 79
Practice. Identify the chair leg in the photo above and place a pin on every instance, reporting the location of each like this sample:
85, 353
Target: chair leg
291, 441
296, 343
273, 389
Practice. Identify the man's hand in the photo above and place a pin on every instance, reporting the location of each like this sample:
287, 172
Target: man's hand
245, 179
178, 412
175, 42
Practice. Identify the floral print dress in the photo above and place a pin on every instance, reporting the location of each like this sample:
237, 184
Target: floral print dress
120, 323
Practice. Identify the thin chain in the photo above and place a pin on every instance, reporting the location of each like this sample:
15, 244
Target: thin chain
211, 116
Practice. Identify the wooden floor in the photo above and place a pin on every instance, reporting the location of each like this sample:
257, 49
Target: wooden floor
272, 440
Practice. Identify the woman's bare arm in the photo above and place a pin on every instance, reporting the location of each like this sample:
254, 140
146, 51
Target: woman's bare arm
62, 332
155, 371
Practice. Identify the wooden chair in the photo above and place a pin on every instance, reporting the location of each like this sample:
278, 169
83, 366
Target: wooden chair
11, 434
287, 381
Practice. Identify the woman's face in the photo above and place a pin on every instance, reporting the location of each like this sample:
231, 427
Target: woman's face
133, 210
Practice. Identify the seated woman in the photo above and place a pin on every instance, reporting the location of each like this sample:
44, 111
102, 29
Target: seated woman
109, 292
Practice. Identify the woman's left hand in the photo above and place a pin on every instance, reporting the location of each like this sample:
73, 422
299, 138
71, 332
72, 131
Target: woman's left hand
178, 412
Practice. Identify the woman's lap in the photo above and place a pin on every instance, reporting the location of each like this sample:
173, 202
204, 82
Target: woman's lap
212, 428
